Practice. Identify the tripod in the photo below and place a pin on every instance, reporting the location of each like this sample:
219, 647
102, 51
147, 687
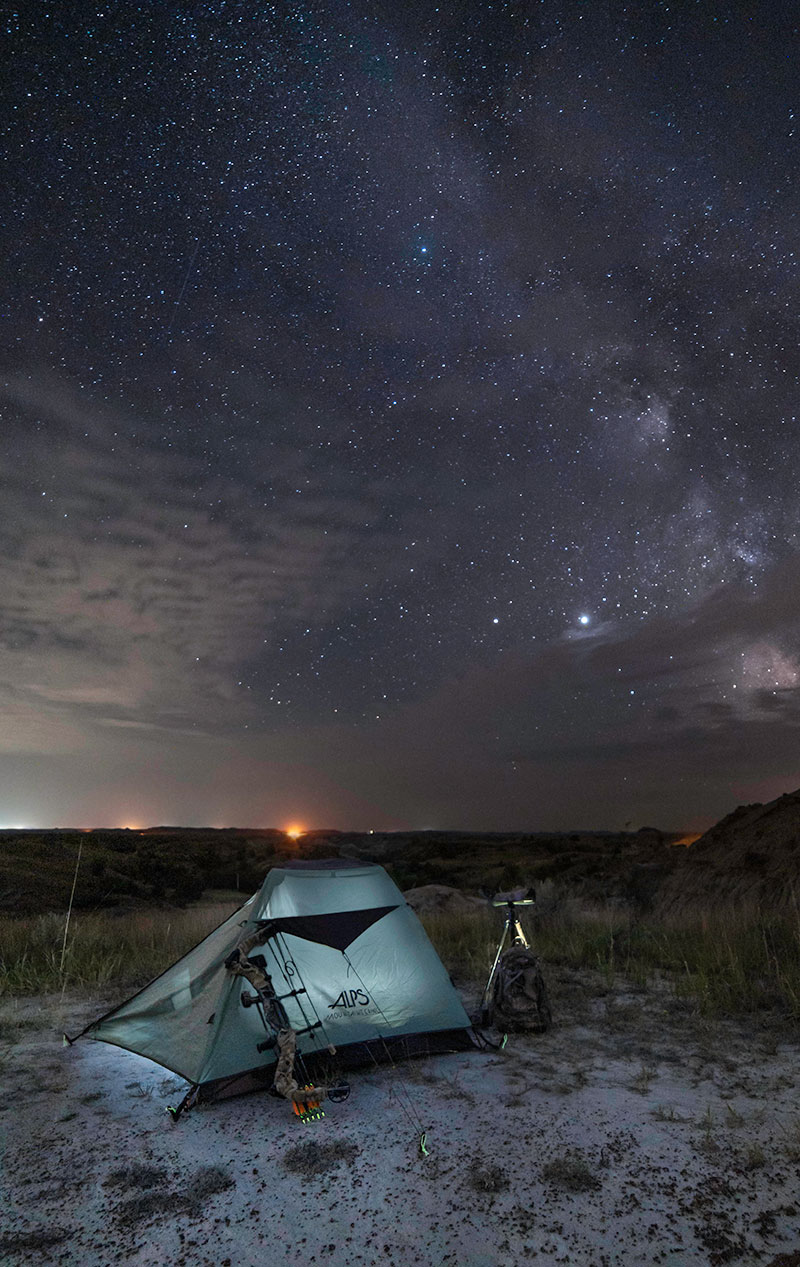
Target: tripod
511, 929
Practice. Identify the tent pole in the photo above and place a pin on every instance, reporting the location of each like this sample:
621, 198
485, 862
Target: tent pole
69, 911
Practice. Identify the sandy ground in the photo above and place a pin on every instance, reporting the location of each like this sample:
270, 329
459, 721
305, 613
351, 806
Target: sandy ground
632, 1133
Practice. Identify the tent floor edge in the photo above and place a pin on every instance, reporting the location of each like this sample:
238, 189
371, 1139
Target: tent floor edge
382, 1050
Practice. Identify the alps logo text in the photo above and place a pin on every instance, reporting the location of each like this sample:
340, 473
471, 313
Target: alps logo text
351, 998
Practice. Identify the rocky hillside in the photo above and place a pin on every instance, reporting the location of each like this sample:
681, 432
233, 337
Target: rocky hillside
752, 855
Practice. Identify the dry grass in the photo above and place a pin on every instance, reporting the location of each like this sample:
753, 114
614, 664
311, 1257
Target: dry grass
727, 961
102, 949
732, 960
643, 1080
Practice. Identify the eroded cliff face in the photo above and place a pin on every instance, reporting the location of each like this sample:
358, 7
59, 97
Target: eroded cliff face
750, 856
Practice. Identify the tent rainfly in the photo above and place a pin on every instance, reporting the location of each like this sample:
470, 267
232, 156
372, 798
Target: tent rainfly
328, 953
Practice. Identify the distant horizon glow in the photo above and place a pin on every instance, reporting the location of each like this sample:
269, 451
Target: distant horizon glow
295, 832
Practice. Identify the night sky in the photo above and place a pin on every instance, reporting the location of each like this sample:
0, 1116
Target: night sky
399, 414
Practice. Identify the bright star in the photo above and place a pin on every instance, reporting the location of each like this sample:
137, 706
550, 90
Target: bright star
583, 620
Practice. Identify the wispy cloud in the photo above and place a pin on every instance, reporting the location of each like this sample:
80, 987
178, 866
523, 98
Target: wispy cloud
139, 582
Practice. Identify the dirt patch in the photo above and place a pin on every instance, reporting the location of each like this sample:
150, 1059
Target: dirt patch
571, 1173
150, 1205
312, 1159
208, 1181
30, 1242
487, 1177
137, 1175
155, 1198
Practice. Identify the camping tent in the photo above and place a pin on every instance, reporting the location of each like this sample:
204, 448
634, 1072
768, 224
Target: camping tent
344, 955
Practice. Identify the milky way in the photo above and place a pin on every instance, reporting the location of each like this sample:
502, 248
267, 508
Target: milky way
399, 414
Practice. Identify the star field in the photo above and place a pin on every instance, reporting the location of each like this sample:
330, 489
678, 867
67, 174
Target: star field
399, 413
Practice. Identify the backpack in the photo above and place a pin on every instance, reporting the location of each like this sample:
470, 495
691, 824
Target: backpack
519, 996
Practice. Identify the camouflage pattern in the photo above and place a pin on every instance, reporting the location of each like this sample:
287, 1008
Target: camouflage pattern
519, 998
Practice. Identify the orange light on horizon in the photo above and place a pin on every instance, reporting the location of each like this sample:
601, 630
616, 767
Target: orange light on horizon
294, 830
688, 839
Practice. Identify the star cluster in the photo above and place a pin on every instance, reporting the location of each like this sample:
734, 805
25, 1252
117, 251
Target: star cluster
391, 396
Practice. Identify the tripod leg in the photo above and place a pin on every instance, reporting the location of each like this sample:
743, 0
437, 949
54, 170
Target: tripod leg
485, 996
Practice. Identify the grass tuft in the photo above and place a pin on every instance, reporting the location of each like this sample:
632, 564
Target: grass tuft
311, 1159
485, 1176
571, 1173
